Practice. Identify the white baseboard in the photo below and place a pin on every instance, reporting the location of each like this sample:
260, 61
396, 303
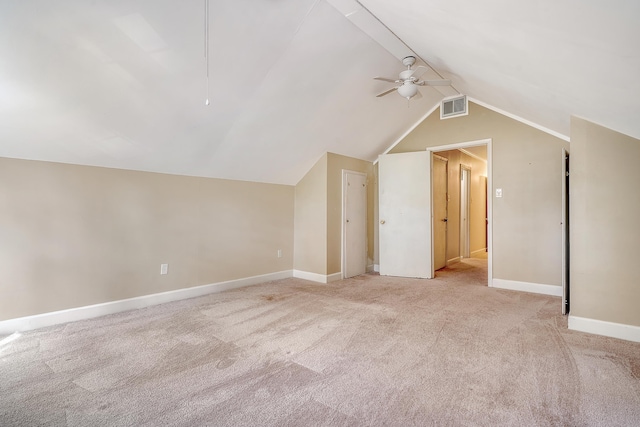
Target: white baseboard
479, 251
315, 277
334, 277
376, 268
453, 260
371, 268
608, 329
535, 288
87, 312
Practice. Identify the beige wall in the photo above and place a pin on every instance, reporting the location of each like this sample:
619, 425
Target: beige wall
477, 229
527, 165
604, 209
77, 235
310, 235
318, 214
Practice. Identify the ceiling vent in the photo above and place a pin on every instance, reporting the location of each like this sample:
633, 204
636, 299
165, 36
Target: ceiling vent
454, 107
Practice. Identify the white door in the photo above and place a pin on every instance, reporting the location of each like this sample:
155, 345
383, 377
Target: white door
565, 233
405, 214
465, 189
440, 206
354, 223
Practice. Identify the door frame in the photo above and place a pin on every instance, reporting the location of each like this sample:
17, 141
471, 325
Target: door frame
343, 234
488, 142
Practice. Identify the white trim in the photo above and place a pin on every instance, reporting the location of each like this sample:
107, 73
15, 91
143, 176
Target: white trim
334, 277
415, 125
478, 251
470, 154
436, 156
87, 312
535, 288
453, 261
376, 268
488, 142
459, 145
608, 329
318, 278
521, 120
371, 268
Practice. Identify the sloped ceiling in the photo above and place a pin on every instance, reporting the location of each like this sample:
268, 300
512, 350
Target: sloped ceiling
122, 83
542, 60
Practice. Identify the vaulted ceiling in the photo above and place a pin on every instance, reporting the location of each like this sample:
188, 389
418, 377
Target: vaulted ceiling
123, 83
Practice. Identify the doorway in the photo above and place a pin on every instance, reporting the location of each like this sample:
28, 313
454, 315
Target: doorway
469, 216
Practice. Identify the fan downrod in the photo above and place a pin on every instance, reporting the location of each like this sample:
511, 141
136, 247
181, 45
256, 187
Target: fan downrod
408, 61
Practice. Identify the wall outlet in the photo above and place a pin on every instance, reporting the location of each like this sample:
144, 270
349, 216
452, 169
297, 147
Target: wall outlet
279, 253
164, 268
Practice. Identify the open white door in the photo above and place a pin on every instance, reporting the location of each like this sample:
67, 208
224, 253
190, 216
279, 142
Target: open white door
565, 233
404, 182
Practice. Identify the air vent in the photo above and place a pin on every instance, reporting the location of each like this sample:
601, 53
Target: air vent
454, 107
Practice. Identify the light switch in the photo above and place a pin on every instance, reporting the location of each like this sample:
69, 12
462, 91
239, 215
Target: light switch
498, 192
164, 268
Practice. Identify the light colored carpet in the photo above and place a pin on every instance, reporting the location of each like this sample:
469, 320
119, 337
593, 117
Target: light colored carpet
365, 351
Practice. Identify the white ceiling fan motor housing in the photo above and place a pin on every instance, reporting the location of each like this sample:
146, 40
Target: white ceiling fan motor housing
407, 89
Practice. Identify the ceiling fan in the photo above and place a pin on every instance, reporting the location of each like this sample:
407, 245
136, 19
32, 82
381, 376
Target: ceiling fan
409, 80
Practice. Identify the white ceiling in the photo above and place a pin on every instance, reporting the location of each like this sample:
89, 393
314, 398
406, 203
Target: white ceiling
542, 60
122, 83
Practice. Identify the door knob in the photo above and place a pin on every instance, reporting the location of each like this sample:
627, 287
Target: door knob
445, 220
382, 222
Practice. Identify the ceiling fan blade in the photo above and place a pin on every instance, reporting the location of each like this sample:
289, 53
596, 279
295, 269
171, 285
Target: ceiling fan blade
386, 92
434, 83
419, 71
384, 79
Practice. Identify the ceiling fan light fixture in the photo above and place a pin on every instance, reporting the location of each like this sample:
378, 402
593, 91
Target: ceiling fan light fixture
408, 90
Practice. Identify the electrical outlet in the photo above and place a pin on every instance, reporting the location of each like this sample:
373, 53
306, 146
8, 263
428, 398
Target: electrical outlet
164, 268
279, 253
